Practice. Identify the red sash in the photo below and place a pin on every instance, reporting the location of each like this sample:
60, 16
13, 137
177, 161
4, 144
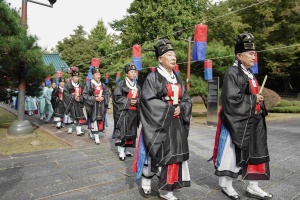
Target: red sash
129, 96
77, 91
254, 90
97, 90
170, 94
60, 93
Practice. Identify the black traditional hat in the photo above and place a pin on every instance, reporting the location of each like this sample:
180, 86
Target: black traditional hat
74, 71
95, 70
61, 79
129, 66
244, 42
162, 46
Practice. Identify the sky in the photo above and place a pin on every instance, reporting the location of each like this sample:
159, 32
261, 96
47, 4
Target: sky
51, 25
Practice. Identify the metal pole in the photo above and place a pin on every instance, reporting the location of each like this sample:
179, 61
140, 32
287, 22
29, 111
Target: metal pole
188, 64
21, 126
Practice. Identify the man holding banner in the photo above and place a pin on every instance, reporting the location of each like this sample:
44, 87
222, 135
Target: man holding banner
165, 117
126, 112
241, 137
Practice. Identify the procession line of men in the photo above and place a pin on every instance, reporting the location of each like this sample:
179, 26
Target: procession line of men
163, 108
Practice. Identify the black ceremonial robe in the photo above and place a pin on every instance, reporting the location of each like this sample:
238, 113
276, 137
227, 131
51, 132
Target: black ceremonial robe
95, 110
73, 107
126, 121
165, 137
247, 130
58, 105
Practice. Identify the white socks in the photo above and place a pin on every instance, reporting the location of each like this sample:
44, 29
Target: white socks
254, 186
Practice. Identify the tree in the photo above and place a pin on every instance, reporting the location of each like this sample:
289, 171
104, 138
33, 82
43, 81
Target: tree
18, 49
275, 24
77, 50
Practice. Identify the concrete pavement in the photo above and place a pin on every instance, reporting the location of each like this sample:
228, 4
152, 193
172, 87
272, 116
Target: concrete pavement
89, 171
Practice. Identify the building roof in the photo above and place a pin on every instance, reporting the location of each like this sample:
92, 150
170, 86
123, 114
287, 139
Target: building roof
58, 63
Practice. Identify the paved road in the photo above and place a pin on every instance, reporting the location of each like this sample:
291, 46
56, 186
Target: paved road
89, 171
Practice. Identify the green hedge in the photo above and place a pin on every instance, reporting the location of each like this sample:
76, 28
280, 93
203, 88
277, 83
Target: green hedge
296, 103
285, 103
286, 109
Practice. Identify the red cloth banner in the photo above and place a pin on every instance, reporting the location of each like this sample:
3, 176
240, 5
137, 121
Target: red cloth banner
95, 62
200, 33
136, 50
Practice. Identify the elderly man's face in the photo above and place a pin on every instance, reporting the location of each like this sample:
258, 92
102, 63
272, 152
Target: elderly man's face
131, 74
247, 58
168, 60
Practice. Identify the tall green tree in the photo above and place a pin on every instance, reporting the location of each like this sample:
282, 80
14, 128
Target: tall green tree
275, 25
78, 50
17, 48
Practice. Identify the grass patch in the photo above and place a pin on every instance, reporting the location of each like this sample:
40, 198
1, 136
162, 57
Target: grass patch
38, 141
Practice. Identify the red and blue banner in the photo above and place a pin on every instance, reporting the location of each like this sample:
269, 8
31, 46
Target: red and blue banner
48, 81
208, 70
140, 158
254, 69
117, 77
136, 56
106, 78
200, 41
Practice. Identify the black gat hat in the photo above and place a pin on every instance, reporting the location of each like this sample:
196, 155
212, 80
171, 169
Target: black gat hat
129, 66
95, 70
162, 46
244, 42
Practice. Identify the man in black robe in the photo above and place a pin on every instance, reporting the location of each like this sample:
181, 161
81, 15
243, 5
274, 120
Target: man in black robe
165, 117
73, 103
96, 97
241, 142
58, 104
126, 112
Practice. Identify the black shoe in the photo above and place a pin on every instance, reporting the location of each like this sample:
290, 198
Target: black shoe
128, 154
80, 134
145, 195
253, 194
224, 191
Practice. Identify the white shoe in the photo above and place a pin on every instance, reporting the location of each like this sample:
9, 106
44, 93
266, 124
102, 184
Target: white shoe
58, 125
122, 154
70, 130
91, 135
97, 140
78, 131
169, 196
252, 193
